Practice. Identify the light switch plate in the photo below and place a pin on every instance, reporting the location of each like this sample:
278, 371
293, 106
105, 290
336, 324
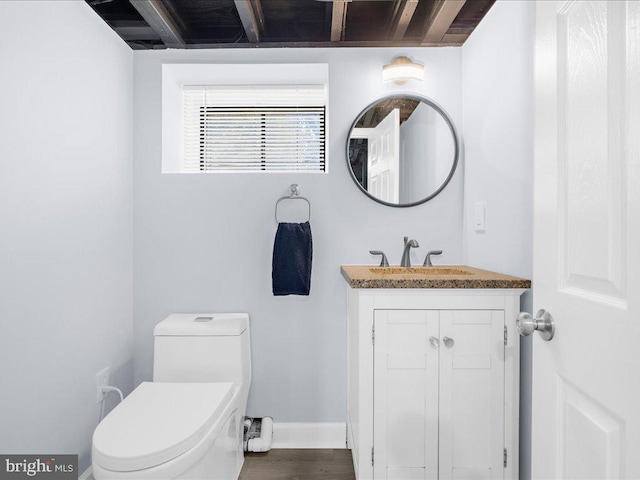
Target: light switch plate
480, 218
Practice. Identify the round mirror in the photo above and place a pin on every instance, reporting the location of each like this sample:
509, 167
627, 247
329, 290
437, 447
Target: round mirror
402, 150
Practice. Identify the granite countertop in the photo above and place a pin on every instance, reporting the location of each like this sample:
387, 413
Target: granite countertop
441, 276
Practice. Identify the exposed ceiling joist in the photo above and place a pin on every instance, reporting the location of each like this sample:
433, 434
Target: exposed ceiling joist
252, 18
403, 11
157, 24
338, 19
315, 44
137, 33
440, 19
161, 21
134, 30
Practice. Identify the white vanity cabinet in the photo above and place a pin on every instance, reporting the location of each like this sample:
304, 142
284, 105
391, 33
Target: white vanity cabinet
433, 384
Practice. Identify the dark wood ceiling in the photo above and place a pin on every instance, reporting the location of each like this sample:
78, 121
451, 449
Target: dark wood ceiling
380, 110
150, 24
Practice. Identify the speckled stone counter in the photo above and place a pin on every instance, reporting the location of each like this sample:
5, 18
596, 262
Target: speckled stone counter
445, 276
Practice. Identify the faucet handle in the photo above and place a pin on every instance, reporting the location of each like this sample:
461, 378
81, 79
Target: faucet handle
427, 260
383, 261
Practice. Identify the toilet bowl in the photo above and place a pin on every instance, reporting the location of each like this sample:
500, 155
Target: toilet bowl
187, 423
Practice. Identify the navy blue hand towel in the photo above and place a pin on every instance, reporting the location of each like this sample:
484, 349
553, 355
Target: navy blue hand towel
292, 254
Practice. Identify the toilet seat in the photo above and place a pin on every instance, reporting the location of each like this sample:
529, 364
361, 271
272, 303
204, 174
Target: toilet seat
158, 422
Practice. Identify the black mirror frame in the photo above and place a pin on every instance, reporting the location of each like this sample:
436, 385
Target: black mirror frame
447, 119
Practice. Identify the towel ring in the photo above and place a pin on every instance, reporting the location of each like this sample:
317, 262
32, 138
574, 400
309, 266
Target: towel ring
294, 195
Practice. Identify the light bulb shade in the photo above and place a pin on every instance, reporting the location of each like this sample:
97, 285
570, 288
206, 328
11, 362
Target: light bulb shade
401, 70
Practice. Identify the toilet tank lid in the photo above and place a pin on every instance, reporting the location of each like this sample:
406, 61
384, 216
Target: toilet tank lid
202, 324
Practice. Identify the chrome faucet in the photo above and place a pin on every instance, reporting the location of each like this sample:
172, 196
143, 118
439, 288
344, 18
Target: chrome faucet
406, 257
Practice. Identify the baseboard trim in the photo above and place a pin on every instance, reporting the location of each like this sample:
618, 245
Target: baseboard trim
86, 475
309, 435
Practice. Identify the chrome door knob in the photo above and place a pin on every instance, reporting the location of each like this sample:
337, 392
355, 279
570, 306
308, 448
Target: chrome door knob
543, 323
448, 342
435, 343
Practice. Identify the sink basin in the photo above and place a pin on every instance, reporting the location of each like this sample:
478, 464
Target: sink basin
441, 271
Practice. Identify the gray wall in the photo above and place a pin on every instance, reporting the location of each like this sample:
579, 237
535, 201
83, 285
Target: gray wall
204, 242
497, 94
66, 307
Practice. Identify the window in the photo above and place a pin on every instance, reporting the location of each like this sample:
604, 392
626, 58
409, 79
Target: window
199, 99
247, 128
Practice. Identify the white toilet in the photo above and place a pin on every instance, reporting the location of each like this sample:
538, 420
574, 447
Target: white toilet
187, 423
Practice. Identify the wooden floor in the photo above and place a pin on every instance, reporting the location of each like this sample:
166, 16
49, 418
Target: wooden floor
298, 465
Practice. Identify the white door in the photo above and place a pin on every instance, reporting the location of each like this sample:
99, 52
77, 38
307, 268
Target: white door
586, 380
383, 158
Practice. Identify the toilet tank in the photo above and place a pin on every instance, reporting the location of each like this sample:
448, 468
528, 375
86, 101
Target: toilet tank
204, 347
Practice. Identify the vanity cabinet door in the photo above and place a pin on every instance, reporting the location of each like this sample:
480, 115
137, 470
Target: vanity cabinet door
405, 429
471, 394
438, 394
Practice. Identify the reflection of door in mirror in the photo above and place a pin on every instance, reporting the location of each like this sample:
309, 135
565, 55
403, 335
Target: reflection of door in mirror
383, 157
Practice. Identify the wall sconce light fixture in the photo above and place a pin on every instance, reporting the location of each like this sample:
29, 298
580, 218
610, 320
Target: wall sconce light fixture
402, 69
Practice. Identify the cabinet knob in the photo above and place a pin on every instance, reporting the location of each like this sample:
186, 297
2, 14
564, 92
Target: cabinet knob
435, 343
448, 342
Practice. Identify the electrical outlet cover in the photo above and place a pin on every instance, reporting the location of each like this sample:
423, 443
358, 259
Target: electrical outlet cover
102, 380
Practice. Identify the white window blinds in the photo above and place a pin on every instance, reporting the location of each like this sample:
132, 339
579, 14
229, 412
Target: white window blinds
254, 128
